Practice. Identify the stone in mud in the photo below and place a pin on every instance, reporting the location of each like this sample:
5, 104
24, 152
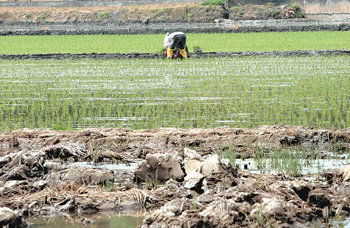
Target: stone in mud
193, 181
160, 168
192, 165
211, 165
10, 218
269, 206
346, 173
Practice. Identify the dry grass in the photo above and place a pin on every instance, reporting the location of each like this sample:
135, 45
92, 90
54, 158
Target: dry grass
341, 7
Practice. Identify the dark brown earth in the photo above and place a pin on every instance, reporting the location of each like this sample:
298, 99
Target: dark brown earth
195, 55
182, 179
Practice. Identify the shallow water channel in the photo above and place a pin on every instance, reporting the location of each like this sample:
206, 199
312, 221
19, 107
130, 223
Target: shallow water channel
127, 221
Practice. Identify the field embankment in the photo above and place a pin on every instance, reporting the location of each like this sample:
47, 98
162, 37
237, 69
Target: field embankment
161, 18
150, 14
195, 55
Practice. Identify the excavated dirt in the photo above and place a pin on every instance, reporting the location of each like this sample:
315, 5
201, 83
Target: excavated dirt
179, 178
190, 55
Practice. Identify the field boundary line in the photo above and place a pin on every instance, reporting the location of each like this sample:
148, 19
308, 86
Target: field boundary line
191, 55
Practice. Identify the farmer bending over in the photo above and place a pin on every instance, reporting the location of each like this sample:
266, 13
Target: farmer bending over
175, 40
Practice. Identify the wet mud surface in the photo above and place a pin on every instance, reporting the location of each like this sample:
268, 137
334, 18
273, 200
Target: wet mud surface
176, 176
190, 55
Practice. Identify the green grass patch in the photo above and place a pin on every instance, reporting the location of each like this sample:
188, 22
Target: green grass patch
203, 93
151, 43
214, 2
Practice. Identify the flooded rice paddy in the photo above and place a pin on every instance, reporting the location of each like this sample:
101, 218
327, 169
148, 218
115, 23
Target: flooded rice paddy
204, 93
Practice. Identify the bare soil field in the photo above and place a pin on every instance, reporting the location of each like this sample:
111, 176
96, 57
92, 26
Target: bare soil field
179, 176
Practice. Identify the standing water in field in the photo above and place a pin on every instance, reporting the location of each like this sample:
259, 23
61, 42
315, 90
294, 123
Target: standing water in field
203, 93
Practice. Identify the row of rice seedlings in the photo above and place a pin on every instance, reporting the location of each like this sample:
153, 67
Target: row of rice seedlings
151, 43
295, 161
138, 94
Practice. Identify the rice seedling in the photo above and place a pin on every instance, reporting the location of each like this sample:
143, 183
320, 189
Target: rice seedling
203, 93
151, 43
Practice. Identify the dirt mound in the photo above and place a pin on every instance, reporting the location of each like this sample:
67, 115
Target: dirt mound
181, 179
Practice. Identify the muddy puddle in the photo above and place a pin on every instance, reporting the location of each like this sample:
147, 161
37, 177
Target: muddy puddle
124, 221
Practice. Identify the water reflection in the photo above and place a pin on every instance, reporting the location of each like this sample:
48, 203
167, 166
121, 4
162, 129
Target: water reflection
128, 221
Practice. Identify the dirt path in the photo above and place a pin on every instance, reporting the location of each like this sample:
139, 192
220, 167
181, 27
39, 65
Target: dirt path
191, 55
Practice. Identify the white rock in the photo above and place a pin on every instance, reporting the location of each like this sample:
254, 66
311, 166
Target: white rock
192, 165
11, 183
346, 173
211, 165
193, 179
6, 216
272, 206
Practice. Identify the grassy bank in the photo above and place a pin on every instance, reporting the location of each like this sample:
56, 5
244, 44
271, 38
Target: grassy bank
286, 41
136, 94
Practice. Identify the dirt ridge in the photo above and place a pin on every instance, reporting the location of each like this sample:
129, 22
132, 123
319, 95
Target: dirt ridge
191, 55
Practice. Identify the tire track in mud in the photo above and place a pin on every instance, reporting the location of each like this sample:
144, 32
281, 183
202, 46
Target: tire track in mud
191, 55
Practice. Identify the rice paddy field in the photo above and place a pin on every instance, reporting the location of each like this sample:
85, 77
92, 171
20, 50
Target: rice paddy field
240, 92
150, 43
197, 93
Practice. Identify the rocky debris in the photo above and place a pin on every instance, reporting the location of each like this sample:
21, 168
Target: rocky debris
221, 196
191, 184
10, 218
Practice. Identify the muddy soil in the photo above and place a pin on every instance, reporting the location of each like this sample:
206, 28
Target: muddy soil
179, 178
195, 55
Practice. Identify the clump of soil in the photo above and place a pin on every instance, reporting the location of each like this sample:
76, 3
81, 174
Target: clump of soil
181, 179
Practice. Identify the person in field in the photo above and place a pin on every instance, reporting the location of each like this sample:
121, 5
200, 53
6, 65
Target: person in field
175, 40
